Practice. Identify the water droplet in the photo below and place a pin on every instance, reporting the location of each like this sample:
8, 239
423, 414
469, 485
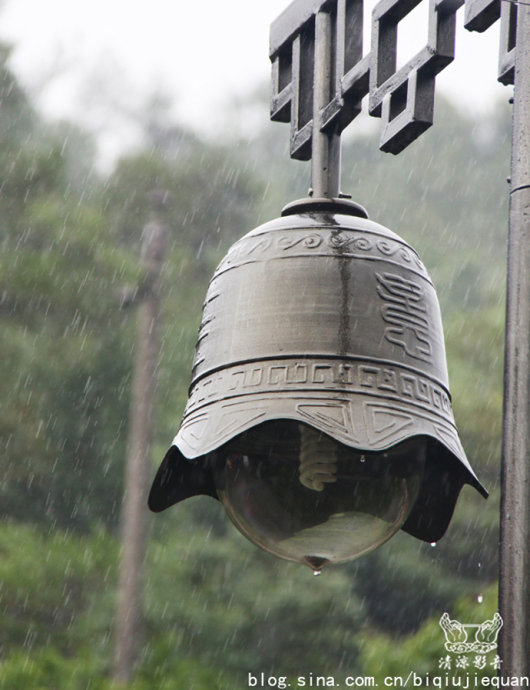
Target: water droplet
316, 573
363, 459
480, 598
316, 563
433, 544
479, 564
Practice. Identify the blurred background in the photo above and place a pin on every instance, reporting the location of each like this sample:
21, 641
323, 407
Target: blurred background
99, 106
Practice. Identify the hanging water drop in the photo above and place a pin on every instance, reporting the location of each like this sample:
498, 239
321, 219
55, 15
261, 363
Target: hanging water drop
480, 598
363, 459
433, 544
316, 563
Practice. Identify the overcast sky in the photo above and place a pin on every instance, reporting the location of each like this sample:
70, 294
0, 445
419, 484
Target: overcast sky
200, 53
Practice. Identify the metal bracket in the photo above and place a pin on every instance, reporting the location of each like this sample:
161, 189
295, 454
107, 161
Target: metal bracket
292, 52
403, 98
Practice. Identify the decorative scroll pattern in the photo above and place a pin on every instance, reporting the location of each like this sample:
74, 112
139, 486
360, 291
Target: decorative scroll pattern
321, 241
403, 98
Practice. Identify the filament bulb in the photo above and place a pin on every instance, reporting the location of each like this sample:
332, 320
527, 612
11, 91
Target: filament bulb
318, 459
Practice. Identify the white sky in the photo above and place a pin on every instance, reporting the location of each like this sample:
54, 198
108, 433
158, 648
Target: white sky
201, 53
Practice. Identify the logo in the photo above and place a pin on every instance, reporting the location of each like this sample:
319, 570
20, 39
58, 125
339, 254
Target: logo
461, 638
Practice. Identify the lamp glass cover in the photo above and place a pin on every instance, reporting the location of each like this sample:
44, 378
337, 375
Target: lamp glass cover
300, 495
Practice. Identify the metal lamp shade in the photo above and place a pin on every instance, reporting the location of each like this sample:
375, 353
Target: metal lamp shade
326, 318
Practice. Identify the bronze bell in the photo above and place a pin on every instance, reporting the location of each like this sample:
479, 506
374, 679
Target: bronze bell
327, 321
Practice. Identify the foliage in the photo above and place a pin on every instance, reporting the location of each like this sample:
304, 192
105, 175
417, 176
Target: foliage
60, 360
216, 608
48, 669
49, 581
210, 604
208, 191
246, 610
423, 653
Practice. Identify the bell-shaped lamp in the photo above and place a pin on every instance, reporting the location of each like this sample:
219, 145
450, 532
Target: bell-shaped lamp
319, 410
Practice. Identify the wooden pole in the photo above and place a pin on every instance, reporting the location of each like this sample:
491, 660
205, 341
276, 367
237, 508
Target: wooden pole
134, 510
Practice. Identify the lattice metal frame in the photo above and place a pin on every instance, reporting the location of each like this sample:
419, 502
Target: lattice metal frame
403, 98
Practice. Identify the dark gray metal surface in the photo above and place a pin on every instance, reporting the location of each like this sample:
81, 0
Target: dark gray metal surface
403, 98
322, 285
324, 318
329, 319
514, 584
325, 161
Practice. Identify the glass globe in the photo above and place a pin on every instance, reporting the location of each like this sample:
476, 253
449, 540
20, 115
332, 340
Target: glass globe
302, 496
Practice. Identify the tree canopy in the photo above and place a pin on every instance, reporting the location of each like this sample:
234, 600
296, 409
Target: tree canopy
216, 608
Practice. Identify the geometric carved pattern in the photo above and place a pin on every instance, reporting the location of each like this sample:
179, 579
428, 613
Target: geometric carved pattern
329, 414
364, 403
384, 422
404, 98
369, 378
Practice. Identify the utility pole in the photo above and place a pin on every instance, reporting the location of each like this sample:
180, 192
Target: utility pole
514, 581
134, 509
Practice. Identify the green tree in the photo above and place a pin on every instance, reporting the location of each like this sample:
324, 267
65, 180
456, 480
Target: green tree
424, 653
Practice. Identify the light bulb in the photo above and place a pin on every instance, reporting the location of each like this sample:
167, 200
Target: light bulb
318, 458
302, 496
